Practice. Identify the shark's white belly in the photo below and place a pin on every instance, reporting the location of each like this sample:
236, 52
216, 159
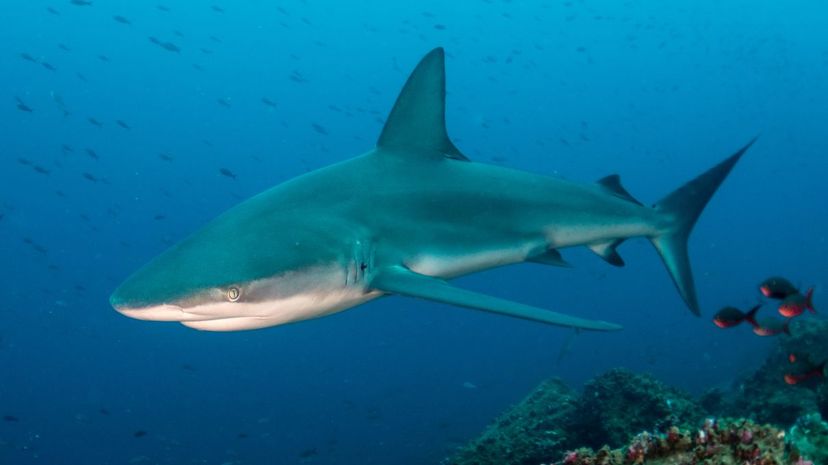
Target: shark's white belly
452, 265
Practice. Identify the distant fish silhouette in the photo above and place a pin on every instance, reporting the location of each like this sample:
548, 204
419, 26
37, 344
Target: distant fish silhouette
122, 20
81, 2
227, 173
22, 106
48, 66
320, 129
28, 57
268, 102
94, 122
53, 11
164, 8
217, 8
122, 124
224, 101
92, 154
169, 46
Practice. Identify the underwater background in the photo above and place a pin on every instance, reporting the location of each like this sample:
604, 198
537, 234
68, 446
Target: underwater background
117, 119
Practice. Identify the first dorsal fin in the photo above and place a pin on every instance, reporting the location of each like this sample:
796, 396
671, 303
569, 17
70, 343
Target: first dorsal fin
416, 126
612, 183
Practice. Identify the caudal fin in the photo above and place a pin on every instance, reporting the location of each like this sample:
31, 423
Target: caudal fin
809, 300
683, 207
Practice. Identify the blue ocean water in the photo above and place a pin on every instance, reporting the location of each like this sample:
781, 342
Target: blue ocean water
655, 91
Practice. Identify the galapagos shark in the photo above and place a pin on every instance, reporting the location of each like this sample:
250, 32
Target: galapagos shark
403, 219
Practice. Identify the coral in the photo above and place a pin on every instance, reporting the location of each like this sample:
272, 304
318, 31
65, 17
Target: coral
765, 397
526, 434
727, 442
809, 437
619, 404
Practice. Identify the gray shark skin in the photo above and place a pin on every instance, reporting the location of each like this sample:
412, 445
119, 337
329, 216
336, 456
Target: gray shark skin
402, 219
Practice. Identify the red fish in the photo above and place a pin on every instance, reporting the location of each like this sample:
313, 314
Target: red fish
795, 304
815, 372
777, 288
729, 317
772, 327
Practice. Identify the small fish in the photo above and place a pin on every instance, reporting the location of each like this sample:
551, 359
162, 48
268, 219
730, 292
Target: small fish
28, 57
11, 418
122, 124
48, 66
772, 327
53, 11
268, 102
24, 161
104, 58
122, 20
165, 156
308, 453
795, 304
729, 317
813, 372
320, 129
22, 106
40, 169
139, 434
81, 2
58, 99
64, 47
296, 76
66, 148
228, 173
90, 177
169, 46
777, 288
103, 411
94, 122
217, 8
92, 154
159, 217
224, 101
164, 8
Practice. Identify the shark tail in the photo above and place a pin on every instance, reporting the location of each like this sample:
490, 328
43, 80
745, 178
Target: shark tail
683, 207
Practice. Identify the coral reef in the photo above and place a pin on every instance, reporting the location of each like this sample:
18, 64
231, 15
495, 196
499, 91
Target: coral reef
619, 404
736, 442
809, 437
528, 433
611, 409
614, 408
764, 397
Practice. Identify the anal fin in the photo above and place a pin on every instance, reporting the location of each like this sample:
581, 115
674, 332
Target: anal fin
606, 250
400, 280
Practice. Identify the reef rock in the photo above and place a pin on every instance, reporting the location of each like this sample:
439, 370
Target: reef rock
528, 433
729, 442
619, 404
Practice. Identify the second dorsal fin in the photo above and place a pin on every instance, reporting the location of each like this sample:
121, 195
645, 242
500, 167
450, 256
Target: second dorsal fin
416, 126
612, 183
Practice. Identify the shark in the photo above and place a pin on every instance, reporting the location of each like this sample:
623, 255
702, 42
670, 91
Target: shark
404, 219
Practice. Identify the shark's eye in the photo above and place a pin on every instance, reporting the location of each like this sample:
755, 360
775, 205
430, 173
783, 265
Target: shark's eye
233, 294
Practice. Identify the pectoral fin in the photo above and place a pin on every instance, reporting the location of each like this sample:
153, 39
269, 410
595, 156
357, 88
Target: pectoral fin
399, 280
